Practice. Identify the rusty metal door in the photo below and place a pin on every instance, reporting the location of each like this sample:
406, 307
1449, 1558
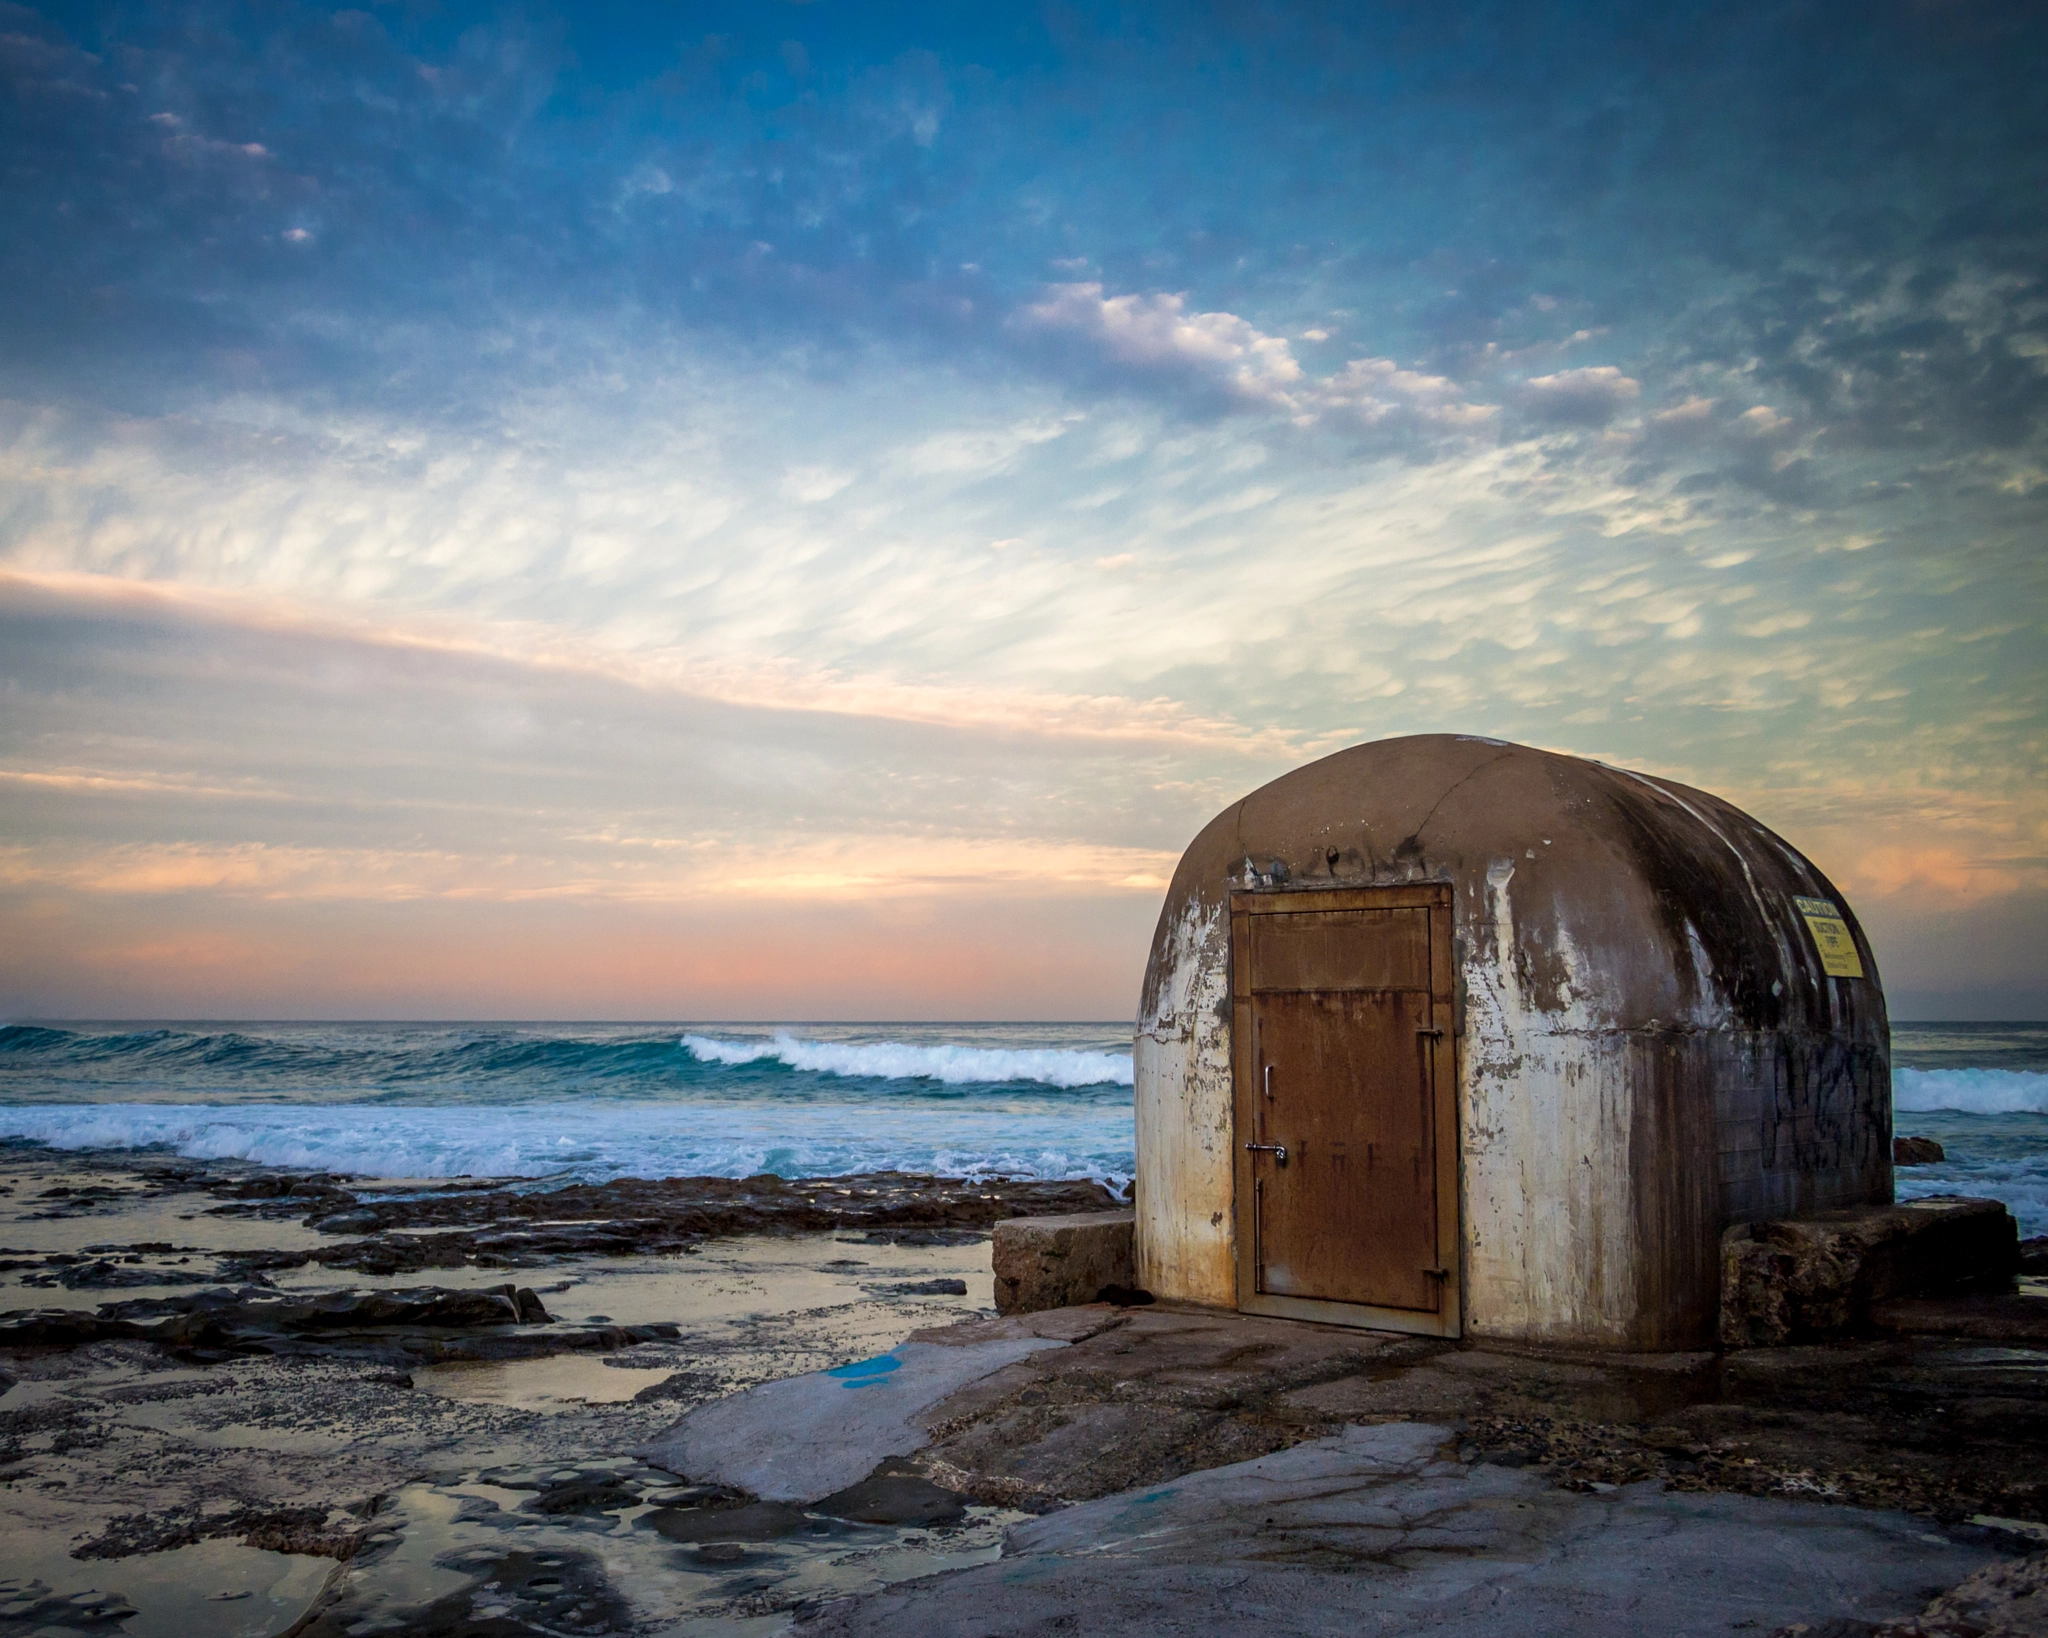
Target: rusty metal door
1347, 1205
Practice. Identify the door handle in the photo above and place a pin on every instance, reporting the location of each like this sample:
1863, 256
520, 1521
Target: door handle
1277, 1150
1433, 1034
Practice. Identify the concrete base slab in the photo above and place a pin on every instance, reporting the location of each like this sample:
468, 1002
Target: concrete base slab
1061, 1262
2020, 1316
1812, 1278
809, 1436
1383, 1529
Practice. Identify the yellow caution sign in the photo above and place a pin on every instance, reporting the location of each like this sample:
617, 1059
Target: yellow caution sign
1838, 957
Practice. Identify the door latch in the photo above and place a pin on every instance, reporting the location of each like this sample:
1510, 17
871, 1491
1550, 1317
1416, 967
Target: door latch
1432, 1033
1277, 1150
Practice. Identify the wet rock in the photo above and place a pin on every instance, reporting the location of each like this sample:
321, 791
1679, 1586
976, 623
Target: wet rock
214, 1323
310, 1530
895, 1497
1811, 1278
1917, 1151
2034, 1255
922, 1237
61, 1328
134, 1533
390, 1379
280, 1194
511, 1595
705, 1206
592, 1496
700, 1495
923, 1288
752, 1521
485, 1346
1061, 1262
494, 1226
102, 1275
632, 1216
29, 1606
681, 1385
1984, 1316
355, 1220
2000, 1601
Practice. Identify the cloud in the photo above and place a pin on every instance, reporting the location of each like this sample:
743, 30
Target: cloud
1689, 420
436, 429
1589, 397
1379, 392
1154, 340
810, 484
1159, 334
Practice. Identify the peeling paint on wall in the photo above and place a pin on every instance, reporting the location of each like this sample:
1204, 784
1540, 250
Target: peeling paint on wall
1182, 1072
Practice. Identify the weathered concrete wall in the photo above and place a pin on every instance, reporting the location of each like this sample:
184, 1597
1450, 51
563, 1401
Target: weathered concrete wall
1186, 1243
1648, 1048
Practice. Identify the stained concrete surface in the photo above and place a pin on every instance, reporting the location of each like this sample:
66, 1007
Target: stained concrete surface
1943, 1427
1385, 1529
806, 1436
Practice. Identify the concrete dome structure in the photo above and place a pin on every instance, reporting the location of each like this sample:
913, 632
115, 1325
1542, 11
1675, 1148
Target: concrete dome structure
1452, 1036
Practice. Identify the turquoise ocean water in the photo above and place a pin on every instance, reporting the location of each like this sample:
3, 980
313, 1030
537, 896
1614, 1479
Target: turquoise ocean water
595, 1101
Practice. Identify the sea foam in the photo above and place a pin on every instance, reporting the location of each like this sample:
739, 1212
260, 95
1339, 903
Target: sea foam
594, 1141
903, 1061
1971, 1091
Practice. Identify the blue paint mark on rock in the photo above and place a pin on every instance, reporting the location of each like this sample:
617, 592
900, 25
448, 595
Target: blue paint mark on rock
867, 1373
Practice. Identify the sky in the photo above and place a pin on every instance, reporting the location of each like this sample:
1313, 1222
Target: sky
804, 510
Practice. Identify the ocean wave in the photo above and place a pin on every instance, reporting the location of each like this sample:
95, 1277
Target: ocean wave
594, 1143
500, 1063
344, 1059
903, 1061
1971, 1091
2021, 1182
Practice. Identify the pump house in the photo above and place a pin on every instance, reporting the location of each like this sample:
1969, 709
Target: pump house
1452, 1036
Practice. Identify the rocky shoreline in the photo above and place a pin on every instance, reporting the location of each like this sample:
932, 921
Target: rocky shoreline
243, 1402
204, 1316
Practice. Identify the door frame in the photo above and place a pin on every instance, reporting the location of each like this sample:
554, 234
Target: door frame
1436, 897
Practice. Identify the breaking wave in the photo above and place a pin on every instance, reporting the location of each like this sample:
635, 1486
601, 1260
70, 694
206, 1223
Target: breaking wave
589, 1102
497, 1064
1971, 1091
904, 1061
